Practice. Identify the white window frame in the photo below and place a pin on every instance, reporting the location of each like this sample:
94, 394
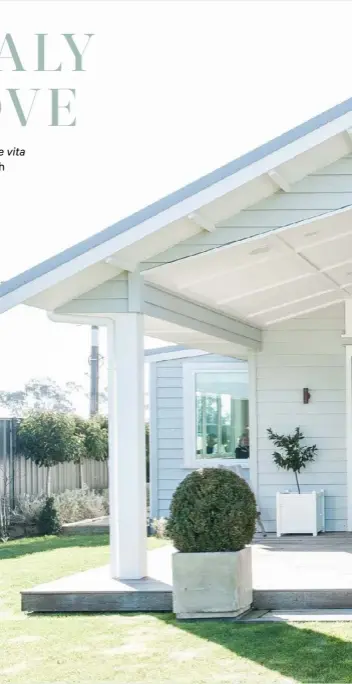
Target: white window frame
189, 415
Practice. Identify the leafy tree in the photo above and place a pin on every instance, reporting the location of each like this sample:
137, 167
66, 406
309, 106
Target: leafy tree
94, 441
40, 395
49, 438
292, 455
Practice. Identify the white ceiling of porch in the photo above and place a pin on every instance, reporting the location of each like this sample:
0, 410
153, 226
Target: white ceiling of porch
273, 277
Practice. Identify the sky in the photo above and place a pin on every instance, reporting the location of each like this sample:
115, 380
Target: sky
170, 91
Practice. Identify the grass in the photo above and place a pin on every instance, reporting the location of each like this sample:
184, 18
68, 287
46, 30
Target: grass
148, 649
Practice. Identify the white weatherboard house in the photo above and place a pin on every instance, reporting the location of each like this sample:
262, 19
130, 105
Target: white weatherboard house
252, 262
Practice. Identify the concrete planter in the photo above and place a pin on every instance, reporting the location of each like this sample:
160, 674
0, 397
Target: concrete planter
210, 585
300, 513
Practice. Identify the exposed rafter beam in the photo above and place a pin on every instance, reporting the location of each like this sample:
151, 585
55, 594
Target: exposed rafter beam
202, 222
279, 180
325, 273
264, 288
306, 310
276, 307
121, 263
226, 271
348, 138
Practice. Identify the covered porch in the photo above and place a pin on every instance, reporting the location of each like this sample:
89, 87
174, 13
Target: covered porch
252, 261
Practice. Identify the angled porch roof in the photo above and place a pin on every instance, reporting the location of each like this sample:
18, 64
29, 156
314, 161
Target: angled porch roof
258, 267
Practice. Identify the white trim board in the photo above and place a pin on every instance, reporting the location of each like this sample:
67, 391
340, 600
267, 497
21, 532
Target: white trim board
169, 355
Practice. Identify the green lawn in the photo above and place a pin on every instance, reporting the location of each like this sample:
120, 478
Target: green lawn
148, 649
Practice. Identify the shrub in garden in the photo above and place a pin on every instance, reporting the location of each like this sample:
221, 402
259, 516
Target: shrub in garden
48, 519
80, 504
212, 509
28, 508
71, 505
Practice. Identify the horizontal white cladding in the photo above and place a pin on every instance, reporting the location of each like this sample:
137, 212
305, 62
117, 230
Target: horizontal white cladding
295, 361
288, 396
315, 427
324, 467
170, 443
169, 401
305, 352
321, 442
287, 408
336, 489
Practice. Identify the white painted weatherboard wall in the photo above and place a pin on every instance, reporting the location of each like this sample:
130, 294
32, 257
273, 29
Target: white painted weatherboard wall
166, 429
304, 352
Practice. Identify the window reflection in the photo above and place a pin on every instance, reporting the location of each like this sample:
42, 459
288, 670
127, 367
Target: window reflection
222, 415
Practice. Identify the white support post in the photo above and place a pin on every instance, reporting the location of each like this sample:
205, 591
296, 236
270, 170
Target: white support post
348, 363
253, 424
349, 434
127, 468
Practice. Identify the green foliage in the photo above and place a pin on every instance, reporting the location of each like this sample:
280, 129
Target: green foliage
48, 438
212, 510
292, 455
48, 519
93, 436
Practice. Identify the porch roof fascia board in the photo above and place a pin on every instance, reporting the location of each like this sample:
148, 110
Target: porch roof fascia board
178, 204
195, 316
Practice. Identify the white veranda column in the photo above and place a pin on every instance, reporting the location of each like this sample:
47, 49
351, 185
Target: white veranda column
348, 363
349, 433
127, 470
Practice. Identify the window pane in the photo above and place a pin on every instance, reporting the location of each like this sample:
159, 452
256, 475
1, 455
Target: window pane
222, 415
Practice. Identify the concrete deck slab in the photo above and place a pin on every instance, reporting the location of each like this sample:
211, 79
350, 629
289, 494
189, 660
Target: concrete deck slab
291, 573
95, 591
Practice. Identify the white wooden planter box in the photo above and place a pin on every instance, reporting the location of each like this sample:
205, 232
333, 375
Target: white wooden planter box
210, 585
300, 513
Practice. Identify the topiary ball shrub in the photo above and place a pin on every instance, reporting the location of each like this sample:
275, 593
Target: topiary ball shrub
212, 510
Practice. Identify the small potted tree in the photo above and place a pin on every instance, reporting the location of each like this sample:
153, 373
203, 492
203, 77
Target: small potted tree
212, 521
296, 512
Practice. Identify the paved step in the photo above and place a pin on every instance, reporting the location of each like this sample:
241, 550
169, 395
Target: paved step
155, 597
302, 599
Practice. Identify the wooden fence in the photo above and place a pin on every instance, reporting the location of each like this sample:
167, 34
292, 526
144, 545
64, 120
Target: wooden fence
19, 476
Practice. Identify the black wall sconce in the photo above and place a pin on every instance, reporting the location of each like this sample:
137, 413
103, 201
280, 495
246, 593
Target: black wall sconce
306, 395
